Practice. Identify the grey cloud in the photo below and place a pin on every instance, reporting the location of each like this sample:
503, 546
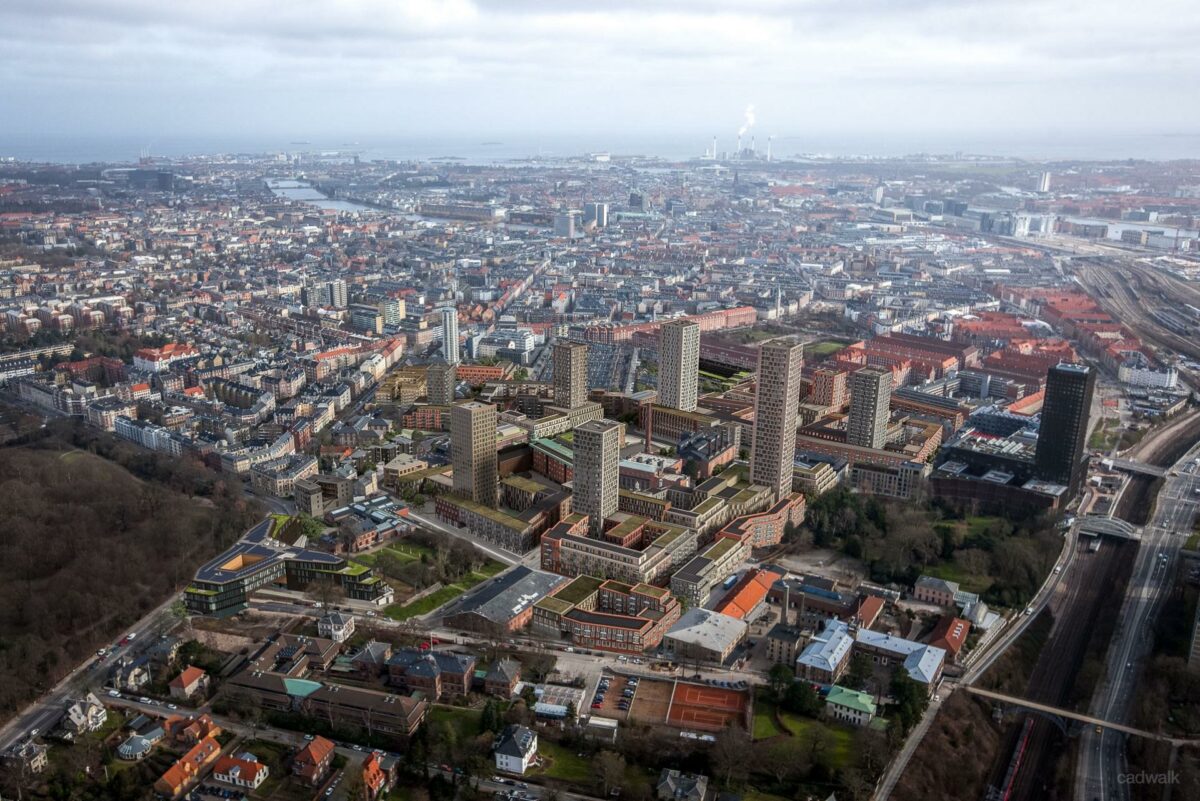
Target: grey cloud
663, 65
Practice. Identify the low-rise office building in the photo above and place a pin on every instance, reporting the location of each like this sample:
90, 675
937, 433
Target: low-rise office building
222, 586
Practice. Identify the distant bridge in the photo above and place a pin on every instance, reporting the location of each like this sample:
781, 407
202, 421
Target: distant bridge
1102, 526
1130, 466
1064, 715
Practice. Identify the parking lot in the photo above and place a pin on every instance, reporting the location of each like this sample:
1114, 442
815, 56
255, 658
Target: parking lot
614, 697
208, 790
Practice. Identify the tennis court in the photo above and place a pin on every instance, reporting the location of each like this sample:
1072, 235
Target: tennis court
706, 708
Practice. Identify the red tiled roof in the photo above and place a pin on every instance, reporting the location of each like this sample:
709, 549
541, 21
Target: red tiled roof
187, 677
950, 633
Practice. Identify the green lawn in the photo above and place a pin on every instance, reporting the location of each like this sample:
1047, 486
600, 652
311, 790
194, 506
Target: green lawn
464, 721
443, 596
842, 738
406, 551
1193, 541
564, 764
823, 348
977, 525
764, 721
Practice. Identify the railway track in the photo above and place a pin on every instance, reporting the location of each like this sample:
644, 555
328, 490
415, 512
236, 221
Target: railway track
1115, 286
1053, 677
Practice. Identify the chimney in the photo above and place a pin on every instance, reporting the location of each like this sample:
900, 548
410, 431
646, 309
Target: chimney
769, 138
649, 427
787, 601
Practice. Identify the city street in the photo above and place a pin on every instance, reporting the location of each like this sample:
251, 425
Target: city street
1102, 754
45, 712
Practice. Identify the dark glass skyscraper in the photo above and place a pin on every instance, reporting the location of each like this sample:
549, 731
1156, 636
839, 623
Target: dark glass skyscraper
1064, 429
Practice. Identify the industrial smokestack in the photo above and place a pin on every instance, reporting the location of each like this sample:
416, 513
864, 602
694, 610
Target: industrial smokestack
714, 147
769, 138
738, 152
753, 144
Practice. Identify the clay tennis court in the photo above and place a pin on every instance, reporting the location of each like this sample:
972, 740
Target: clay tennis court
651, 703
697, 706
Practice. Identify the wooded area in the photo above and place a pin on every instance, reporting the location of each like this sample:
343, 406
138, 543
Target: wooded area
90, 547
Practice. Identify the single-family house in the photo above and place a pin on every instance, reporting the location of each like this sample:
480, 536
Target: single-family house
336, 626
27, 756
243, 770
674, 785
188, 767
374, 778
84, 714
515, 749
312, 763
130, 675
190, 683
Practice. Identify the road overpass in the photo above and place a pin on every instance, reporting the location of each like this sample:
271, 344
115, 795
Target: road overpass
1033, 706
1104, 526
1132, 466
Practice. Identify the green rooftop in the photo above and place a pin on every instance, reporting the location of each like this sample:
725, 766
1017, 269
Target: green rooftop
670, 533
651, 590
524, 484
720, 548
643, 498
851, 699
579, 589
625, 527
495, 515
744, 496
555, 605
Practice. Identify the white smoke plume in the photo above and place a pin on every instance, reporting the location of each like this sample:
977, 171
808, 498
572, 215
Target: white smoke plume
749, 120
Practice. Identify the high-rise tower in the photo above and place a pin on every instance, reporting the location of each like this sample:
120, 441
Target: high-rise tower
679, 364
1062, 435
870, 407
597, 451
473, 451
773, 453
570, 374
450, 334
439, 383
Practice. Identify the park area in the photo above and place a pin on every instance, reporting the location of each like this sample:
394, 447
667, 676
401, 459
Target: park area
771, 722
409, 566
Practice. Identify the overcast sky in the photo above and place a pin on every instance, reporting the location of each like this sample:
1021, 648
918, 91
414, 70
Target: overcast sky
492, 67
